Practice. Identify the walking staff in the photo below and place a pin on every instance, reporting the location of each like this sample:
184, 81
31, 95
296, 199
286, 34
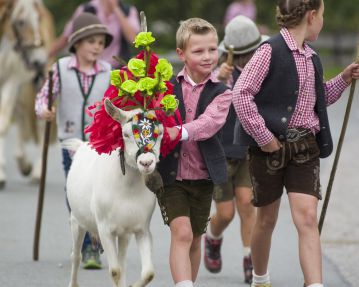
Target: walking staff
40, 201
337, 153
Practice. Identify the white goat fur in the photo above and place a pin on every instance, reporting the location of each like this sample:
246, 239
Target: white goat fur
112, 205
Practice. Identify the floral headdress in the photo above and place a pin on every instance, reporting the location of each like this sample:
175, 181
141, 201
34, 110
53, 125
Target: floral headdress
144, 84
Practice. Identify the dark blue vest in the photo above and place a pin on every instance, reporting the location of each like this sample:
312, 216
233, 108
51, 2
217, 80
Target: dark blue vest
211, 149
277, 98
232, 150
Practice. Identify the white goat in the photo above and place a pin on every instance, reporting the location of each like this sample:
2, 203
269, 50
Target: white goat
105, 202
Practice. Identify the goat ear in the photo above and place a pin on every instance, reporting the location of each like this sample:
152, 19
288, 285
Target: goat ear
114, 112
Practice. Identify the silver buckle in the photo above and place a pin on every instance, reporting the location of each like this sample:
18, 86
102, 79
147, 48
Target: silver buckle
293, 135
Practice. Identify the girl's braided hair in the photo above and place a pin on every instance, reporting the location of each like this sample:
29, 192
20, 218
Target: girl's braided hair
291, 12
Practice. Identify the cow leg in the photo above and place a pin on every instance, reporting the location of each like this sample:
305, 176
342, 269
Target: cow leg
144, 242
78, 234
23, 163
37, 164
108, 242
8, 99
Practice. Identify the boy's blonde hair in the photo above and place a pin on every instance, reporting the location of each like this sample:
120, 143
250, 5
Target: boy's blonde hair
192, 26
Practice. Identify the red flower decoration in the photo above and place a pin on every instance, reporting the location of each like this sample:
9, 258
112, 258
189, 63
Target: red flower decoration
106, 133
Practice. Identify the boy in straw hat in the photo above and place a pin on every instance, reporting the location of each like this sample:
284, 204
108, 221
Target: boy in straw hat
241, 39
80, 80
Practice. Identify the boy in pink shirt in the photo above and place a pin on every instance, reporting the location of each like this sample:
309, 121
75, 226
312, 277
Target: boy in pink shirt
189, 172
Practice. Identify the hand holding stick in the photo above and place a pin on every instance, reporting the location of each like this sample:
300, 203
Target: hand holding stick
43, 174
337, 153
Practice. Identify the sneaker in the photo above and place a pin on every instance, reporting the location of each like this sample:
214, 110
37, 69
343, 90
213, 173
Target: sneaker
91, 258
247, 268
212, 254
261, 285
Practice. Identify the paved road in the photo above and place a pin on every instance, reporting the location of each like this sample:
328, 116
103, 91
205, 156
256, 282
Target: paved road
18, 208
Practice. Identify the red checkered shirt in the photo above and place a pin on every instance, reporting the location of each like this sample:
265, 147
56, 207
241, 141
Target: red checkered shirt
86, 79
191, 164
252, 77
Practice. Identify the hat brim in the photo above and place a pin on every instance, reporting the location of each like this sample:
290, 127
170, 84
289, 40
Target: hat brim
91, 32
237, 51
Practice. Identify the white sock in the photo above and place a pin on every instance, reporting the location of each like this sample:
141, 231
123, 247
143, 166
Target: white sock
246, 251
316, 285
210, 234
261, 279
186, 283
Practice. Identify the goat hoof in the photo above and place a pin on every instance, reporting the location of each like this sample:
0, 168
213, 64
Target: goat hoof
2, 184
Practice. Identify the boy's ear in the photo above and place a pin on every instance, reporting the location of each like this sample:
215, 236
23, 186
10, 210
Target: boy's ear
180, 54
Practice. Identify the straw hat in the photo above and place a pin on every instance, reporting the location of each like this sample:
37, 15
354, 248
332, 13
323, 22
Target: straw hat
243, 34
85, 25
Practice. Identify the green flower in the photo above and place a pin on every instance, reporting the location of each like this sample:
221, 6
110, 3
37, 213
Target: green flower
162, 87
129, 86
147, 84
170, 103
164, 68
137, 67
144, 39
115, 78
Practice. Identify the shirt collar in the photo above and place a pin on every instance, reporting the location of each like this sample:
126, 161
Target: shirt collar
183, 74
292, 45
97, 68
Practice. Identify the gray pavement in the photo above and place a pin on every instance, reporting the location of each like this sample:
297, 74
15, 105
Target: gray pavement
18, 209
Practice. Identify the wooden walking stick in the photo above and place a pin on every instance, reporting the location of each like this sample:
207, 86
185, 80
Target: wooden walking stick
337, 153
230, 55
43, 175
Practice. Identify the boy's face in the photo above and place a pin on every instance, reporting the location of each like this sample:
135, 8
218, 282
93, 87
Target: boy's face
90, 48
200, 55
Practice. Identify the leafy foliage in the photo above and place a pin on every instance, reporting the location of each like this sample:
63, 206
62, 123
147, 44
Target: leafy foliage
164, 16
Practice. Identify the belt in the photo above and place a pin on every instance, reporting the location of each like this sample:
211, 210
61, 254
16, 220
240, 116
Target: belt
196, 182
293, 135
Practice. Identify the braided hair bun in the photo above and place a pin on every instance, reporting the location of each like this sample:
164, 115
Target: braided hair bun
291, 12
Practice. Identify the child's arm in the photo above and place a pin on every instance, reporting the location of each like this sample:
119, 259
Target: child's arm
41, 102
247, 86
213, 118
225, 72
351, 72
336, 86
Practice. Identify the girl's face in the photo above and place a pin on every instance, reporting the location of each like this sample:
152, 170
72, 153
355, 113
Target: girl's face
89, 49
315, 23
200, 55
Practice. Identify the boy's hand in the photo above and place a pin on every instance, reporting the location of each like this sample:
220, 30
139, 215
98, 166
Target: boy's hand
272, 146
112, 4
49, 115
351, 72
173, 133
225, 72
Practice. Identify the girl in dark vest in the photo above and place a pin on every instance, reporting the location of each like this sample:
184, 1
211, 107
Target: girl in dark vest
281, 102
243, 35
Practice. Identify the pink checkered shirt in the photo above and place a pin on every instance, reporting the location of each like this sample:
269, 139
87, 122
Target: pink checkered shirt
255, 72
191, 164
86, 79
